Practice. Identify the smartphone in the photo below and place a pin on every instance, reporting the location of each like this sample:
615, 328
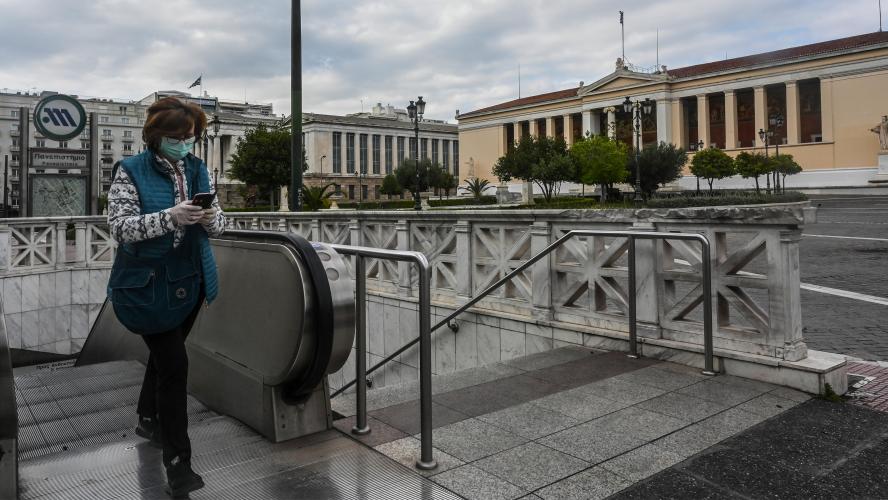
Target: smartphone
205, 200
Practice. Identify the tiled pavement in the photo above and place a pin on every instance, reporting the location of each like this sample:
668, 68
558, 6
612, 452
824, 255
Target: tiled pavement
569, 423
873, 394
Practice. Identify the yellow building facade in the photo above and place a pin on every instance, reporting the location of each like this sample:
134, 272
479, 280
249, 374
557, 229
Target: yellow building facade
817, 102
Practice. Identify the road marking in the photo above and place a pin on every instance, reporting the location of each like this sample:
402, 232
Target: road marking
844, 293
844, 237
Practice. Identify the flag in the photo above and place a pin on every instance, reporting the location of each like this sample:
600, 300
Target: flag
198, 82
621, 22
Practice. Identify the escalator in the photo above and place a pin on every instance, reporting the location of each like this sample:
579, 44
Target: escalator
258, 359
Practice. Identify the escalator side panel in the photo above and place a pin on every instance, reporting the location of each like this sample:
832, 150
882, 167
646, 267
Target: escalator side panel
109, 340
8, 418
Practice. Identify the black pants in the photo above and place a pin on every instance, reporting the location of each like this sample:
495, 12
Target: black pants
164, 394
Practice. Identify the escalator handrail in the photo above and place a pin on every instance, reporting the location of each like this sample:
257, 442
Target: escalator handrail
324, 320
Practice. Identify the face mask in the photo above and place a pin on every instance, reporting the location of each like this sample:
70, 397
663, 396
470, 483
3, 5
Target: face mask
176, 148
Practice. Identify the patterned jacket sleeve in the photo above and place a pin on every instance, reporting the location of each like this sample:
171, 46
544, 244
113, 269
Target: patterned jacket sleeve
217, 225
128, 224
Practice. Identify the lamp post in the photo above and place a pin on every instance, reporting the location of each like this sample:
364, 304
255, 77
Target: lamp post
699, 146
636, 108
360, 176
415, 110
777, 121
216, 125
322, 163
765, 136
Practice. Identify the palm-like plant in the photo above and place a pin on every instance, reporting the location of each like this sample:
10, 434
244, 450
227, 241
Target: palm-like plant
315, 198
476, 187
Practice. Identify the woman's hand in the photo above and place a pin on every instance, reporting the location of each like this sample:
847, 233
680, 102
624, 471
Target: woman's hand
186, 214
209, 214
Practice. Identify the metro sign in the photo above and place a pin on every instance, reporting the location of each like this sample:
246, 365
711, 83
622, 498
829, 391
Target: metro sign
59, 117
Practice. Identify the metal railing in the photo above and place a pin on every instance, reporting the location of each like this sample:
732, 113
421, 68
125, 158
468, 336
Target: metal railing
706, 266
426, 461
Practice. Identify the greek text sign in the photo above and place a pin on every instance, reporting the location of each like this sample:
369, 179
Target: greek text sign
59, 158
59, 117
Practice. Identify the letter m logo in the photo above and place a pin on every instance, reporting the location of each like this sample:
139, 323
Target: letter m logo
60, 117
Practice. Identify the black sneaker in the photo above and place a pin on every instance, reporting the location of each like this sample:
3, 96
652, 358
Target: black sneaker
181, 480
149, 429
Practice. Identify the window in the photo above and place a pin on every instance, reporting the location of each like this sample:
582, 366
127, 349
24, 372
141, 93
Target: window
63, 144
14, 113
107, 161
363, 152
351, 191
388, 154
350, 155
84, 144
15, 172
13, 126
40, 143
413, 147
124, 120
128, 134
424, 144
106, 147
123, 110
376, 191
376, 140
128, 147
434, 150
104, 119
15, 158
364, 192
337, 152
106, 132
810, 125
15, 142
456, 159
400, 150
445, 160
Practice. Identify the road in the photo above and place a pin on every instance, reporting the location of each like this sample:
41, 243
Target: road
846, 251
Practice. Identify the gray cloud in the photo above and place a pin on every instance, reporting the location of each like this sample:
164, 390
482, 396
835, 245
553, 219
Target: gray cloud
457, 54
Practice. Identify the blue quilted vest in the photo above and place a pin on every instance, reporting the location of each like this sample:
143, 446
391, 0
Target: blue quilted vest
156, 193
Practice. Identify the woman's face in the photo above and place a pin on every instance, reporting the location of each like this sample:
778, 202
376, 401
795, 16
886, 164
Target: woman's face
189, 135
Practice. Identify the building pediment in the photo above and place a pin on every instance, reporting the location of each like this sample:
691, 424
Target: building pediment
622, 78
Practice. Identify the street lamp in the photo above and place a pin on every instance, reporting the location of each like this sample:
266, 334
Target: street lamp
636, 108
216, 125
699, 145
322, 163
415, 110
359, 176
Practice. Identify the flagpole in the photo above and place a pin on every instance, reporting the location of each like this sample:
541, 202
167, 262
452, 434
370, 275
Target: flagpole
623, 37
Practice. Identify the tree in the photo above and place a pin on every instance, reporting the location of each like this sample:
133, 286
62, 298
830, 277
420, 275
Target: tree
541, 160
660, 164
448, 182
600, 161
406, 175
476, 187
437, 178
752, 165
262, 158
785, 165
712, 164
390, 186
315, 198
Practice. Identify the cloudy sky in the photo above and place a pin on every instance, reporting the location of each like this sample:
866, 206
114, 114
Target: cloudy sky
458, 54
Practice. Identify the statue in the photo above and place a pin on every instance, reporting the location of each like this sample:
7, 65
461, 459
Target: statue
882, 130
620, 64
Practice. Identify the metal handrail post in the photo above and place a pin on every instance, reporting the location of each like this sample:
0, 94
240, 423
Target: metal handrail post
633, 328
705, 253
361, 428
426, 461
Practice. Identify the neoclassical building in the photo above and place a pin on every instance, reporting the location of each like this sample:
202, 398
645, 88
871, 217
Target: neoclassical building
355, 152
818, 102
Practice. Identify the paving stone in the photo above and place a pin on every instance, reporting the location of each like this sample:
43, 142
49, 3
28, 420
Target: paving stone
408, 450
592, 369
531, 465
579, 405
529, 421
472, 376
791, 394
767, 405
667, 380
472, 439
592, 484
621, 391
496, 395
673, 484
642, 462
380, 432
745, 383
683, 407
406, 416
550, 358
718, 392
593, 441
473, 483
747, 474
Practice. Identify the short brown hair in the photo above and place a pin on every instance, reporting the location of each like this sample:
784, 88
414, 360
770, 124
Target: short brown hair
171, 117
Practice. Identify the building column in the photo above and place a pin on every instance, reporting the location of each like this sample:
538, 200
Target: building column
595, 122
826, 110
730, 119
505, 142
587, 122
516, 131
568, 130
217, 151
611, 123
664, 121
793, 118
679, 127
703, 119
550, 126
534, 130
761, 109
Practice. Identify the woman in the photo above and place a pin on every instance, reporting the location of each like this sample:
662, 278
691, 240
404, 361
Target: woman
164, 269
